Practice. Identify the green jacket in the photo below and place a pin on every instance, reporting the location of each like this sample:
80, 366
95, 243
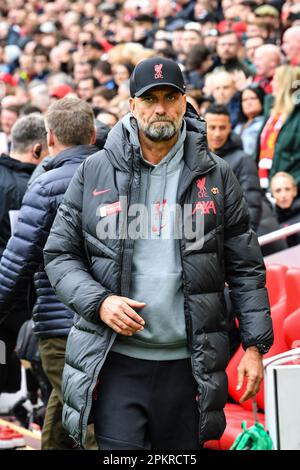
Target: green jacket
287, 148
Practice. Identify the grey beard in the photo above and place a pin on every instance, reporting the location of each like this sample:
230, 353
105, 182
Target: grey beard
159, 133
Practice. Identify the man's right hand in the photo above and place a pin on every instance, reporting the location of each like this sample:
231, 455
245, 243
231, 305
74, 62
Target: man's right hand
117, 313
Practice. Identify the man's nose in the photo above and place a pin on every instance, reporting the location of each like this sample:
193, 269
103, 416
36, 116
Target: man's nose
159, 108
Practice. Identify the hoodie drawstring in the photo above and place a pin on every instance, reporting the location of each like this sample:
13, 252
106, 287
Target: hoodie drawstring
147, 186
161, 199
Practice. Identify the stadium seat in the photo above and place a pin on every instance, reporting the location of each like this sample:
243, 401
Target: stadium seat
277, 288
291, 329
286, 332
293, 289
275, 282
284, 293
278, 313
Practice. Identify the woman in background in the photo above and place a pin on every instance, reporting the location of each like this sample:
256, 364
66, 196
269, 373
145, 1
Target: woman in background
287, 204
279, 140
251, 120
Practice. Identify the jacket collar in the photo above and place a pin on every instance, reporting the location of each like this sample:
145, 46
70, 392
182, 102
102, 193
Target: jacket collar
16, 165
196, 155
284, 214
70, 155
233, 143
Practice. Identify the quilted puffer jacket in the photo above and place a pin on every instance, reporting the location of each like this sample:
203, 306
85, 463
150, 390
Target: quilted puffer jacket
84, 269
22, 260
14, 176
245, 170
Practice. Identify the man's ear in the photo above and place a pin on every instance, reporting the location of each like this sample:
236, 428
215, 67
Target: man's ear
185, 104
37, 151
229, 125
93, 141
50, 138
295, 192
131, 105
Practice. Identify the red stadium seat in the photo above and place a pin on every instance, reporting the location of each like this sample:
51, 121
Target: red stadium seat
293, 289
275, 282
291, 329
284, 293
278, 313
286, 332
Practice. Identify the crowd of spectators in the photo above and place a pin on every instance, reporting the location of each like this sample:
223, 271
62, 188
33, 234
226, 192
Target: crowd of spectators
231, 51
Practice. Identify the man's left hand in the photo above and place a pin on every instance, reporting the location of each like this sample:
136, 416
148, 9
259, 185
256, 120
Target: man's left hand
251, 366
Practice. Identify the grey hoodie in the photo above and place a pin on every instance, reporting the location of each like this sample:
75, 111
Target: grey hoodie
156, 270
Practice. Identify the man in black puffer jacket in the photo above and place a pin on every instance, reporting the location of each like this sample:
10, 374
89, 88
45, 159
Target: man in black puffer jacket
149, 347
70, 131
28, 148
228, 145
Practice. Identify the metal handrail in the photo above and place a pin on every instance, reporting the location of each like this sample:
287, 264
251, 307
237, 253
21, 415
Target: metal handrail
280, 234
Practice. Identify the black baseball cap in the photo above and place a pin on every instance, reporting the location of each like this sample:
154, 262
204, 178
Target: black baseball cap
157, 71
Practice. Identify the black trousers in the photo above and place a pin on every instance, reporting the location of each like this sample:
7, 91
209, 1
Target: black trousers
140, 404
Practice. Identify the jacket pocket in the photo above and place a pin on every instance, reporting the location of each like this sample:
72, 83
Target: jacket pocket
81, 324
95, 247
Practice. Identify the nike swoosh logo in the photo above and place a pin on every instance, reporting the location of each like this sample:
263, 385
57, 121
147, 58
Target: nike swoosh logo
98, 193
155, 229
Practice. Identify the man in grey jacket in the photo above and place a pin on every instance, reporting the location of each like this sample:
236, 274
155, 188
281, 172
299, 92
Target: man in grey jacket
146, 357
